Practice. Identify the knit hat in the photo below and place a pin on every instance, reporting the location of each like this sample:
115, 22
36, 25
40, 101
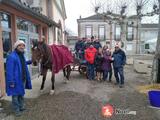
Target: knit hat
117, 45
18, 42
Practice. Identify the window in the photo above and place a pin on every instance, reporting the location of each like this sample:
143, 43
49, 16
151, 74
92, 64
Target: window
88, 31
33, 28
6, 20
59, 4
59, 36
25, 25
101, 31
130, 33
147, 46
22, 24
6, 33
49, 5
7, 46
117, 32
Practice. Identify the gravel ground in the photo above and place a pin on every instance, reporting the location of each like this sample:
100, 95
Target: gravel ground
82, 100
64, 106
132, 101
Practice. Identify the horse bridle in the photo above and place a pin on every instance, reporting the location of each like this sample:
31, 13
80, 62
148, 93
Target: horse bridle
46, 61
41, 52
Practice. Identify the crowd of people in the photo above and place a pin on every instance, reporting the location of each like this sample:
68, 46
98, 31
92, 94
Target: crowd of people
100, 60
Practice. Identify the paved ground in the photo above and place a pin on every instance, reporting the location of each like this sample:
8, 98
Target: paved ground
81, 99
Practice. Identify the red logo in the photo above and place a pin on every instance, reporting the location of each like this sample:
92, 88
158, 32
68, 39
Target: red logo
107, 110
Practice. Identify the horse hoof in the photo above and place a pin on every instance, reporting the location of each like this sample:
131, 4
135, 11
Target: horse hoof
41, 91
52, 92
66, 81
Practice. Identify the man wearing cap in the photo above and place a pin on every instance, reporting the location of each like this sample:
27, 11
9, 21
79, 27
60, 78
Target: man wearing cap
97, 44
17, 77
119, 60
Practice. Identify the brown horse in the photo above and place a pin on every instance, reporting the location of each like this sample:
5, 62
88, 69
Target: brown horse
41, 53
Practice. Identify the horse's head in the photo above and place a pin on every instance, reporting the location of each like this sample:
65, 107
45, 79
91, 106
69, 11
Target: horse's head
36, 52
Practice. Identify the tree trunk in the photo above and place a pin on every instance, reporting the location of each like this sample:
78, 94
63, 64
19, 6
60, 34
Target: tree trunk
123, 33
156, 61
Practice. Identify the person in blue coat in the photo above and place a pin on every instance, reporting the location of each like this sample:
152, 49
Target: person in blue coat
119, 60
97, 44
17, 77
78, 48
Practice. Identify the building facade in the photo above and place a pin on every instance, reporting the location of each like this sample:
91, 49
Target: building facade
149, 31
55, 10
20, 21
111, 31
149, 35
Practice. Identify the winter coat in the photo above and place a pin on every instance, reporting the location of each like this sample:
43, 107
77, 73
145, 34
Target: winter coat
78, 46
90, 54
97, 45
98, 62
119, 58
14, 76
107, 62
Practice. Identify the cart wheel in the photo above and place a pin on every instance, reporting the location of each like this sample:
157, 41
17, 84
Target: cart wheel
80, 69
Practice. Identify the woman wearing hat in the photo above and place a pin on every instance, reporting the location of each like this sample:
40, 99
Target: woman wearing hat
106, 66
17, 77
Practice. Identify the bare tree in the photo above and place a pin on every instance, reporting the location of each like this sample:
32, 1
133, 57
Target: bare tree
156, 61
70, 32
121, 17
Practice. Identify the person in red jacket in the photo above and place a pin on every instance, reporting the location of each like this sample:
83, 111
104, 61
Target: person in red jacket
90, 54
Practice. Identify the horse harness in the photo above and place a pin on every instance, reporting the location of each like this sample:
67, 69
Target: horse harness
42, 56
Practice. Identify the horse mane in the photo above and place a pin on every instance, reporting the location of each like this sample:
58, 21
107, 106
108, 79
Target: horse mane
45, 50
44, 47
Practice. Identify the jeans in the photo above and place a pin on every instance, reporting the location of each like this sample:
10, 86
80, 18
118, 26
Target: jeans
118, 72
105, 74
90, 71
17, 103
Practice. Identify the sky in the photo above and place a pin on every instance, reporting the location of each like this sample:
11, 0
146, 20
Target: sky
85, 8
75, 8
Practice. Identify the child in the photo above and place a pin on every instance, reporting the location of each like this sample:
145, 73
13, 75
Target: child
106, 66
98, 64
